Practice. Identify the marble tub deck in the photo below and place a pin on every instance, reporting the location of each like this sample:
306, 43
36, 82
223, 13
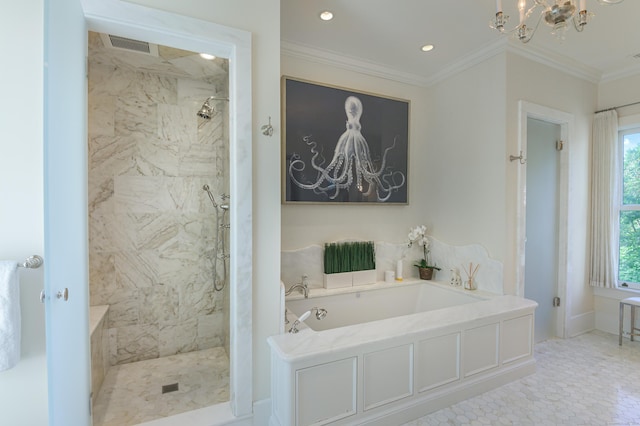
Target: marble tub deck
132, 393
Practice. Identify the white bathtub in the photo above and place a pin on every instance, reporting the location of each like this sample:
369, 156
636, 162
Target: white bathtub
357, 305
388, 354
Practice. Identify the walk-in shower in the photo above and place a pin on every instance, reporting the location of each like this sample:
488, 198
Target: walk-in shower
220, 243
164, 326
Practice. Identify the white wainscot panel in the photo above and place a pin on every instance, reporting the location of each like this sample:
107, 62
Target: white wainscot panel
327, 392
388, 376
517, 338
480, 349
437, 361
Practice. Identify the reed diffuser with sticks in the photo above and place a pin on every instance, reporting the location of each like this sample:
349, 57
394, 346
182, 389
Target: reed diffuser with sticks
471, 271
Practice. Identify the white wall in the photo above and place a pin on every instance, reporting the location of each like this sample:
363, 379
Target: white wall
23, 389
464, 182
620, 92
303, 225
542, 85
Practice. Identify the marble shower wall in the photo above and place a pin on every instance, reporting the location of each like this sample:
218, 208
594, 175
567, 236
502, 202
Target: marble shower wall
151, 226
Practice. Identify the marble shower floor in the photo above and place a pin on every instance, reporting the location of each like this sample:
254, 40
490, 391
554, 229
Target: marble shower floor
586, 380
132, 393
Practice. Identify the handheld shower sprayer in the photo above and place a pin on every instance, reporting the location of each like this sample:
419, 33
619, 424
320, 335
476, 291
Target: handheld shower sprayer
205, 188
320, 315
219, 245
296, 323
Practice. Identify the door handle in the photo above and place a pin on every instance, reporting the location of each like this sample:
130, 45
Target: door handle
64, 295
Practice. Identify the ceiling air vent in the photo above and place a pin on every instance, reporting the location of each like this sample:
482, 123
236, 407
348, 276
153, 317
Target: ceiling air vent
128, 44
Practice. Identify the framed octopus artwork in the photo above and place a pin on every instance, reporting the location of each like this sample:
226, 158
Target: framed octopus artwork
343, 146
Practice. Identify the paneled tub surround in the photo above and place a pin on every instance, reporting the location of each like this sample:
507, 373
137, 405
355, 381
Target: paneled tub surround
389, 371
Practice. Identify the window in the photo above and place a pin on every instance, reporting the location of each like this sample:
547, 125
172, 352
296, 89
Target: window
629, 225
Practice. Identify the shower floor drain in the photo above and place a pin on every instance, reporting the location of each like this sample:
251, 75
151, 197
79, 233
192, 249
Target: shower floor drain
170, 388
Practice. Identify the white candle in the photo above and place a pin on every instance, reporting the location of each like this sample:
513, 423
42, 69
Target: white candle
583, 5
399, 270
498, 6
389, 276
521, 6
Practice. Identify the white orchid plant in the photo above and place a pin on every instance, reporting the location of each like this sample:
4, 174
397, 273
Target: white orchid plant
418, 235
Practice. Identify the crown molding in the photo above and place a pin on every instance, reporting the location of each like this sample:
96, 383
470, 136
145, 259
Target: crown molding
327, 57
503, 44
468, 61
629, 71
554, 60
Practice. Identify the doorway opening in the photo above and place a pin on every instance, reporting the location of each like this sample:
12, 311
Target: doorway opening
66, 202
157, 263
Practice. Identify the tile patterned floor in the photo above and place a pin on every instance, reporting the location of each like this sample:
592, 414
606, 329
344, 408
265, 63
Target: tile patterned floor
132, 393
586, 380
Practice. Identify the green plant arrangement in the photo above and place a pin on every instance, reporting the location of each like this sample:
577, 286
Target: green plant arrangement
349, 263
349, 257
418, 235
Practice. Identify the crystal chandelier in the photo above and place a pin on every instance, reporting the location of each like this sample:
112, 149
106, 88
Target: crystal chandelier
556, 13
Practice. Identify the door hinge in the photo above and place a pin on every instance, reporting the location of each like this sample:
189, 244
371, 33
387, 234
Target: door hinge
556, 302
559, 145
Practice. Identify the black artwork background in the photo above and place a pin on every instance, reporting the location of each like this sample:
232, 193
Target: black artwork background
318, 111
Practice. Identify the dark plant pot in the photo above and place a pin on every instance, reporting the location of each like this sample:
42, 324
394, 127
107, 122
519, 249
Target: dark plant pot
426, 273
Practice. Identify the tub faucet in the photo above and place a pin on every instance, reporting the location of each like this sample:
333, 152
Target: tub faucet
303, 287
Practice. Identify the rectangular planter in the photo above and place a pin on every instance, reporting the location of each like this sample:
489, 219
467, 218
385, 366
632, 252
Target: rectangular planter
365, 277
348, 279
339, 280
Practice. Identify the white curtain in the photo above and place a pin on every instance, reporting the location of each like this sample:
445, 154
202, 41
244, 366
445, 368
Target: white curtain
605, 196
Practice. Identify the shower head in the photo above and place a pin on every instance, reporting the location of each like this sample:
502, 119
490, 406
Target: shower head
207, 110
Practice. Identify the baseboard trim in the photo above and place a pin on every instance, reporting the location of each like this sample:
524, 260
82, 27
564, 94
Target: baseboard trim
580, 324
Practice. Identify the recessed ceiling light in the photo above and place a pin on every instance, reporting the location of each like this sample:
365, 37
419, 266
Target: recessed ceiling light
207, 56
326, 15
427, 47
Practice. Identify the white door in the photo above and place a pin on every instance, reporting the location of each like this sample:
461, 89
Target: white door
541, 249
65, 214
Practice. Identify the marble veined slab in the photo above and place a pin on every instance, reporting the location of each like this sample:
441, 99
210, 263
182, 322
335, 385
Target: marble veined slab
489, 277
177, 124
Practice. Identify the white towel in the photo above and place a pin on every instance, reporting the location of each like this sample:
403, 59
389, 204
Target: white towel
9, 315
